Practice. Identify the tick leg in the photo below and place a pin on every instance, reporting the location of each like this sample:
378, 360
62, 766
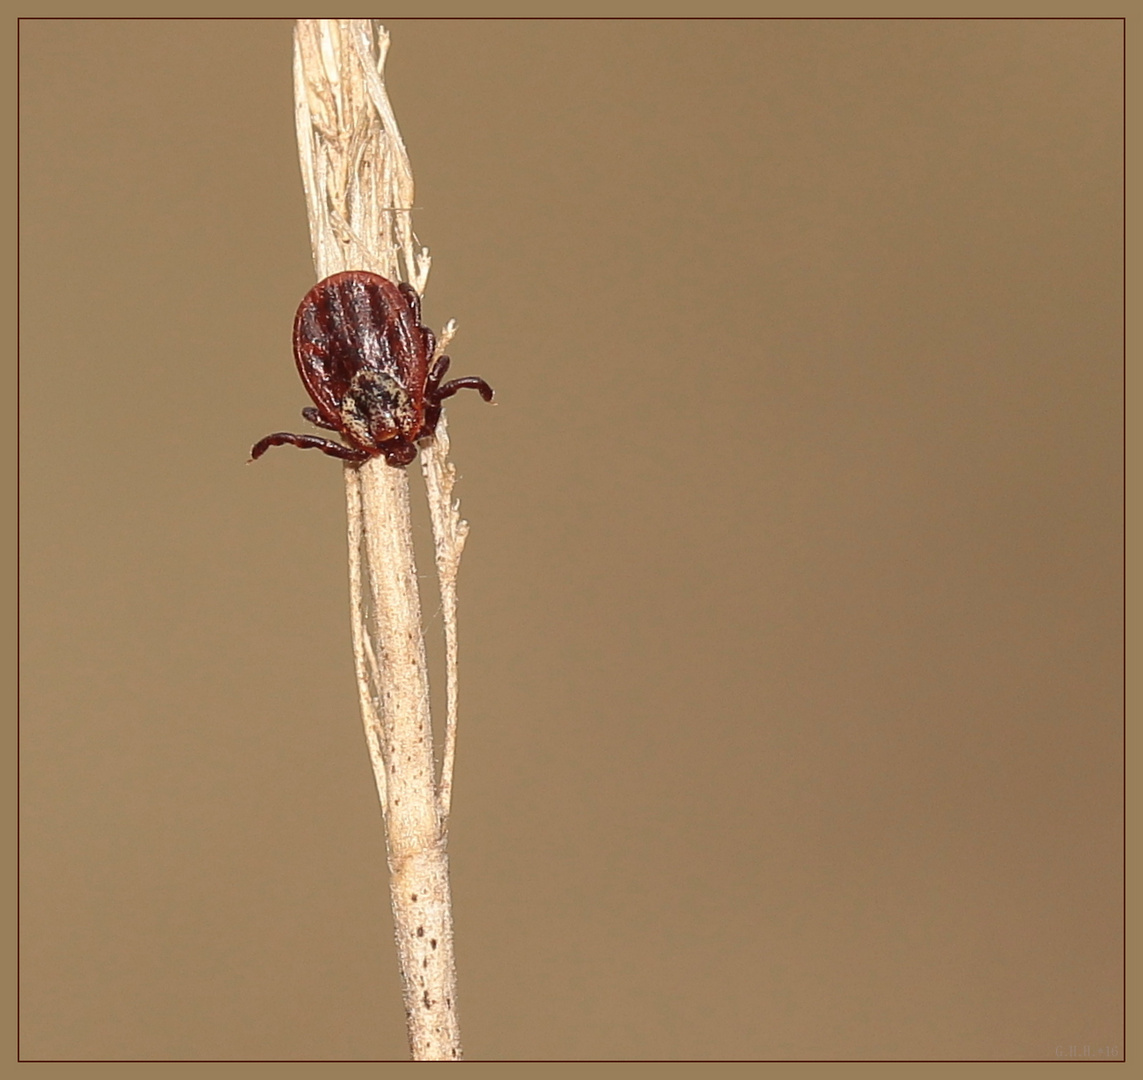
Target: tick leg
469, 382
432, 418
307, 442
413, 297
430, 341
314, 417
436, 374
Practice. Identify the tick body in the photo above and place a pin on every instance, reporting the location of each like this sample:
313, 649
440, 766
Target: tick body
367, 363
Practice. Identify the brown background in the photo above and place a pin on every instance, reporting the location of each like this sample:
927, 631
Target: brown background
791, 720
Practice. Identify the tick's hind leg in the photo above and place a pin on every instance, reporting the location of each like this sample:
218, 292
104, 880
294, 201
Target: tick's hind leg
413, 297
314, 417
308, 442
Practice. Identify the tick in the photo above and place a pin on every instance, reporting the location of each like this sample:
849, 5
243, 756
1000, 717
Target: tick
364, 359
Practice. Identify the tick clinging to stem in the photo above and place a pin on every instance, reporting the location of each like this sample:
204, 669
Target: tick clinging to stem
364, 358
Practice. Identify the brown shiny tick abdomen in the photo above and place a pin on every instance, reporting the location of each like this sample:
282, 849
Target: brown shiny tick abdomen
364, 359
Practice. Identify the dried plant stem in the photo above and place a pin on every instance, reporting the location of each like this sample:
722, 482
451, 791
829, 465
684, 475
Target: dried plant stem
449, 533
359, 193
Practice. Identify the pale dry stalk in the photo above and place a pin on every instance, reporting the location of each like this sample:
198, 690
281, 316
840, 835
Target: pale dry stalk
359, 193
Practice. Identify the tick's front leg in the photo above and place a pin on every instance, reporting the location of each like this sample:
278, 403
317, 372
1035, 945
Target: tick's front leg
435, 394
314, 417
308, 442
436, 373
469, 382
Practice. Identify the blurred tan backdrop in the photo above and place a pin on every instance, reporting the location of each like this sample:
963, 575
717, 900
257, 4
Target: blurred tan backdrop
790, 618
